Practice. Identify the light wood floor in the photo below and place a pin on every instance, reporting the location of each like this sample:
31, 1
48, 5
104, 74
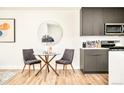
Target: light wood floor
70, 78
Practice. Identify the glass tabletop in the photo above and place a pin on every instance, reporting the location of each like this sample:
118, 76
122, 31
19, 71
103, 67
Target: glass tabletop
47, 53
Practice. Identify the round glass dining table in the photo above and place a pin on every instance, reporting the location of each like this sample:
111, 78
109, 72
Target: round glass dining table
47, 58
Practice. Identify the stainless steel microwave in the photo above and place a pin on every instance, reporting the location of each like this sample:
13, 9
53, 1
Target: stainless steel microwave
114, 28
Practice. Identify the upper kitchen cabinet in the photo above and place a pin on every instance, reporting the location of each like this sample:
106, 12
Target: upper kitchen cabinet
113, 15
92, 22
93, 19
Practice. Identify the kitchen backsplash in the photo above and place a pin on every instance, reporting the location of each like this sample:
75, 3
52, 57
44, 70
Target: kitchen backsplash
92, 44
92, 41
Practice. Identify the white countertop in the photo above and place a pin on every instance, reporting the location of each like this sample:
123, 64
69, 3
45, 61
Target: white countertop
94, 48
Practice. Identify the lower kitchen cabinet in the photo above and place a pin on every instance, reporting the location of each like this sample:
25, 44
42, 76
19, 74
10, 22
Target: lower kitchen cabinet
94, 60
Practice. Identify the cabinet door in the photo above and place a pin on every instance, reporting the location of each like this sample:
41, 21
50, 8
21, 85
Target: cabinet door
109, 15
98, 24
87, 22
119, 15
92, 21
90, 63
102, 62
113, 15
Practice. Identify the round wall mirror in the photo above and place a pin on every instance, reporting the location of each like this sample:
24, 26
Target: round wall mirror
50, 32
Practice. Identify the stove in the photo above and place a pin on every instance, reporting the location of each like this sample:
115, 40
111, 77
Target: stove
111, 45
117, 48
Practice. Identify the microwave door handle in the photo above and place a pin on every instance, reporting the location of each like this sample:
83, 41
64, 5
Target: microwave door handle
122, 29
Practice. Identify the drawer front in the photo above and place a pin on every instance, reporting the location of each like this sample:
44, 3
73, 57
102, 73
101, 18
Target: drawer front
95, 52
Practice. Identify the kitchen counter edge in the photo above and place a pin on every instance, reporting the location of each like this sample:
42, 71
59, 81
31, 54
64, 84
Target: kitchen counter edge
95, 48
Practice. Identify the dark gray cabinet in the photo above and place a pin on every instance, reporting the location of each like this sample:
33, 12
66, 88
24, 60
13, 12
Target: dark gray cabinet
90, 63
93, 19
113, 15
87, 23
98, 27
94, 60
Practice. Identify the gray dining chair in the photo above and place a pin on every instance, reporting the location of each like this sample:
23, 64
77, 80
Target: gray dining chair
66, 59
29, 59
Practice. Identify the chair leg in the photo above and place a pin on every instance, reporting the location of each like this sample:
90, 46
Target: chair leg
29, 70
33, 67
40, 65
23, 69
72, 68
65, 70
56, 67
63, 67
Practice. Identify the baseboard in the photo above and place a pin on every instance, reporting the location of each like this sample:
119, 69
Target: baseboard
21, 67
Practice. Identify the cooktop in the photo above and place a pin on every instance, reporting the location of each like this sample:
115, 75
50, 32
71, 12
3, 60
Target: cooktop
116, 48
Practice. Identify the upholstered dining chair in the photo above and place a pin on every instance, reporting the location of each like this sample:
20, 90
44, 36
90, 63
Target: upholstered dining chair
66, 59
29, 59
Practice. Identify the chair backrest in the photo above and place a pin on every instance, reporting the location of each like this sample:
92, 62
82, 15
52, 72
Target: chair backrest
28, 54
68, 55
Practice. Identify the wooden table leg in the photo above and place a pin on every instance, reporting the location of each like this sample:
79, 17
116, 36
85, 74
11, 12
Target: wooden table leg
53, 70
40, 70
51, 66
47, 62
46, 72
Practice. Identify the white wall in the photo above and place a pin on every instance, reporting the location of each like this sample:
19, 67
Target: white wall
27, 22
